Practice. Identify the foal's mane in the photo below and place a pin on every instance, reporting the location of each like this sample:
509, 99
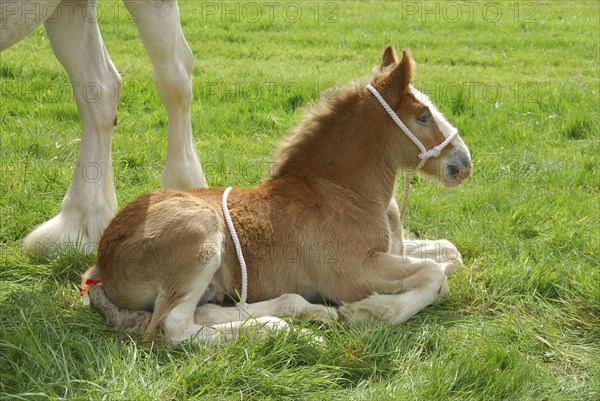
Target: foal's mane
325, 118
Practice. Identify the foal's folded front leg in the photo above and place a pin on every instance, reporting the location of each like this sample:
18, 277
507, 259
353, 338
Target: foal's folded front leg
421, 283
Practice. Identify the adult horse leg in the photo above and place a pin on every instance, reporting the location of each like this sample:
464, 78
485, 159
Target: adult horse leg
172, 63
90, 201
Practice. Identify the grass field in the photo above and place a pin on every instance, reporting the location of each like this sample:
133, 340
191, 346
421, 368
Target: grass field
519, 79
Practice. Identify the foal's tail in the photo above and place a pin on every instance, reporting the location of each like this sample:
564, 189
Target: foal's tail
123, 320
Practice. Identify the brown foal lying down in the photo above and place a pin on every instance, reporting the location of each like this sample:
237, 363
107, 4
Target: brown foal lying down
324, 226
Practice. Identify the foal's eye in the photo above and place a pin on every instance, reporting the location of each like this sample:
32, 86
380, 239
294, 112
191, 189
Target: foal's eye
425, 117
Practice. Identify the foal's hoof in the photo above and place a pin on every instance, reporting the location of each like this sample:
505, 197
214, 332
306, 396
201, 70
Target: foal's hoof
444, 289
449, 257
357, 311
269, 324
320, 313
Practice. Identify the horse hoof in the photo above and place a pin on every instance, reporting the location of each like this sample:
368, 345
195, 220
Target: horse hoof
65, 234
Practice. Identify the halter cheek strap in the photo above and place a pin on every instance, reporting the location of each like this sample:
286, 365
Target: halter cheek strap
424, 155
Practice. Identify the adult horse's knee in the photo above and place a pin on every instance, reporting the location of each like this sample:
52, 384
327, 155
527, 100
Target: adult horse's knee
173, 73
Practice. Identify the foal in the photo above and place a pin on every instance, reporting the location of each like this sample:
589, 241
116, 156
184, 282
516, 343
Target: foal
324, 226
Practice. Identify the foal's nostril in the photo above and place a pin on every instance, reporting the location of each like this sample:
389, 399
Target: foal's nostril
452, 170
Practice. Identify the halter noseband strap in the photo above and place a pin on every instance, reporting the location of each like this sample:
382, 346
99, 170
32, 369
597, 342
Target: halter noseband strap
424, 155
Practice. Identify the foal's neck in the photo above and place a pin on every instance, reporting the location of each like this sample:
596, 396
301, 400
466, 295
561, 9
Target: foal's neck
346, 149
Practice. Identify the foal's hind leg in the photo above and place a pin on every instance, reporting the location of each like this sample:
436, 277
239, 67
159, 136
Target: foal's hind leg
90, 201
172, 63
229, 322
177, 304
180, 326
287, 305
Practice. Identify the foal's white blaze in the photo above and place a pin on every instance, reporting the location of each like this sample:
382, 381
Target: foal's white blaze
443, 124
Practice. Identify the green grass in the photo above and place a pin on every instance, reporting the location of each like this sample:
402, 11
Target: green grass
522, 321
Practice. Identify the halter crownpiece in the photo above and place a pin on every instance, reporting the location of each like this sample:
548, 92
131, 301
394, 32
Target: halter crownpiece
424, 155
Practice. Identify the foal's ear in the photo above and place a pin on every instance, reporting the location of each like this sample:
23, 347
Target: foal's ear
389, 57
403, 74
397, 81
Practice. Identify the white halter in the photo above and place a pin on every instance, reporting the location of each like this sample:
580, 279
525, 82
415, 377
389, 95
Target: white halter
242, 305
424, 155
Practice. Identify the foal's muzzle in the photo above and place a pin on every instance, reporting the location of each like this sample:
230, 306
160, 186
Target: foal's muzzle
456, 168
